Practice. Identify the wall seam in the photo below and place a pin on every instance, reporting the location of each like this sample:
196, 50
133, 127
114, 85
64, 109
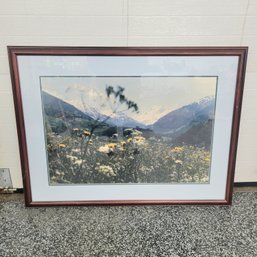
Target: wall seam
244, 22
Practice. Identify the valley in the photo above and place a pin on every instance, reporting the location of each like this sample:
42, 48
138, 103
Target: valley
90, 147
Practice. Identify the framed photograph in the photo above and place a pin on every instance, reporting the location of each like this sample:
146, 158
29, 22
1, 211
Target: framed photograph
127, 125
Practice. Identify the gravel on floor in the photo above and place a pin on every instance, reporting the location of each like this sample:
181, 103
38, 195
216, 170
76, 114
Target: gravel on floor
124, 231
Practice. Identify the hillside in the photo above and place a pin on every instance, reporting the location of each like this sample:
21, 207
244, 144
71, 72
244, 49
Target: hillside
183, 117
199, 134
61, 115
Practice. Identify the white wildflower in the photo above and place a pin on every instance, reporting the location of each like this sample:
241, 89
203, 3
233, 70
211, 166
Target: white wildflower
106, 170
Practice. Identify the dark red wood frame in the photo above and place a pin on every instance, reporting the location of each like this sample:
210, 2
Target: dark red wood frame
15, 51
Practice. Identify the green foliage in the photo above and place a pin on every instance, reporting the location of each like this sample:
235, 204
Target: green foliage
57, 125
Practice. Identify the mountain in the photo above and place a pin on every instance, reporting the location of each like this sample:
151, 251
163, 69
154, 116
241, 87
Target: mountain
119, 119
191, 124
94, 114
183, 118
122, 120
61, 115
55, 107
198, 134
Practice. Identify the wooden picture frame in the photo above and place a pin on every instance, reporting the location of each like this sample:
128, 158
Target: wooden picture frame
41, 76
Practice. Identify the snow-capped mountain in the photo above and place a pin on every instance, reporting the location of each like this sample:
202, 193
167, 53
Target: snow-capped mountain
205, 100
120, 119
184, 117
94, 114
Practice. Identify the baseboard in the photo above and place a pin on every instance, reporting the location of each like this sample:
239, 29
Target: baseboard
245, 184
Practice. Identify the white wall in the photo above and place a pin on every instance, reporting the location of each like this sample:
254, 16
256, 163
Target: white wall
130, 23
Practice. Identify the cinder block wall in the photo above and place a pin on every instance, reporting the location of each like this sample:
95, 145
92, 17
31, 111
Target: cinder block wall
130, 23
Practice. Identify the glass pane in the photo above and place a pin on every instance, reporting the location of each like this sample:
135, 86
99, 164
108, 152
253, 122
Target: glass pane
128, 129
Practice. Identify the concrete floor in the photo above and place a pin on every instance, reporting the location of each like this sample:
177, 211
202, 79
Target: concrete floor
138, 231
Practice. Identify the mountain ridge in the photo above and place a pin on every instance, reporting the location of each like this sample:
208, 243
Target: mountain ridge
190, 124
199, 111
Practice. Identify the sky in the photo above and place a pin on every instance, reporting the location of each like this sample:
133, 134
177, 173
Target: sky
155, 96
